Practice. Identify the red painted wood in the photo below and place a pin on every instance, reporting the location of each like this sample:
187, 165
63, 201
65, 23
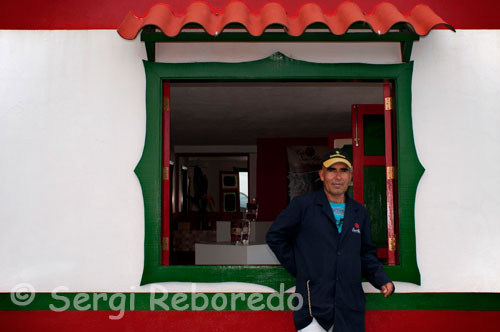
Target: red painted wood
373, 160
359, 158
147, 321
389, 182
98, 14
382, 253
165, 187
271, 173
432, 321
230, 321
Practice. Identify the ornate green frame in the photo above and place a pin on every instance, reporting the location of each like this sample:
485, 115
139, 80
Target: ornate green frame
275, 67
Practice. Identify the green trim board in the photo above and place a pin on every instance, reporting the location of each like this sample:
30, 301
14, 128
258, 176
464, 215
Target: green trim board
142, 301
154, 37
277, 67
317, 32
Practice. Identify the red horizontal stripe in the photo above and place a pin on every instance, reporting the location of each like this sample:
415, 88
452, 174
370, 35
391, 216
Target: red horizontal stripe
248, 321
98, 14
432, 321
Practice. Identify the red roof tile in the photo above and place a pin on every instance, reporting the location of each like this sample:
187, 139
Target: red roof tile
385, 15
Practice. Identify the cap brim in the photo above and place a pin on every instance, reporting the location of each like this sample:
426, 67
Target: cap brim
333, 161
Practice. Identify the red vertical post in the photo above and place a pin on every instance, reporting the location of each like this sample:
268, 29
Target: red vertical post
165, 179
390, 173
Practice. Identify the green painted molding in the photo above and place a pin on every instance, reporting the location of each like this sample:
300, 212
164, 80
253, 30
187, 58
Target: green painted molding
409, 172
155, 37
277, 67
317, 32
143, 301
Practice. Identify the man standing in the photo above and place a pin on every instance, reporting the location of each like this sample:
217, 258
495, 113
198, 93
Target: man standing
323, 239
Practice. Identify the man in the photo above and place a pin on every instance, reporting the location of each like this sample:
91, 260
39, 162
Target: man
323, 239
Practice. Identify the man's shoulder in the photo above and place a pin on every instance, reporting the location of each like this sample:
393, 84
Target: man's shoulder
308, 197
356, 205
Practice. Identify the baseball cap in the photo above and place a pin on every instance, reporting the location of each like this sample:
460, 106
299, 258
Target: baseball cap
336, 156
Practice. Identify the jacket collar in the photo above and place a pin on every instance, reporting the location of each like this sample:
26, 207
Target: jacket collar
325, 205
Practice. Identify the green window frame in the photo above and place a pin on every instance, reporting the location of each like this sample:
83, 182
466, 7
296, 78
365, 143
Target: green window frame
276, 67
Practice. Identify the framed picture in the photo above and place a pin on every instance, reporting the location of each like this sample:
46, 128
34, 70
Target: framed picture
231, 202
229, 192
229, 180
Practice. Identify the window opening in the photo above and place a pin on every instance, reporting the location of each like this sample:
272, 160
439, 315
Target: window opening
243, 178
199, 208
149, 168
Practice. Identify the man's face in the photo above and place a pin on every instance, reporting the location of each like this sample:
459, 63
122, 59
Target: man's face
336, 179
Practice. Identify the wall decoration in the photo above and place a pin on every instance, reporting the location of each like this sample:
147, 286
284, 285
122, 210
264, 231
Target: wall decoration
303, 165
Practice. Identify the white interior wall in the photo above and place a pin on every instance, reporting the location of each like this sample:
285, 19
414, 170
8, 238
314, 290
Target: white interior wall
72, 123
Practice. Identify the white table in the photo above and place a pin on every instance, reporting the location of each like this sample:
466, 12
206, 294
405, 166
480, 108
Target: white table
225, 253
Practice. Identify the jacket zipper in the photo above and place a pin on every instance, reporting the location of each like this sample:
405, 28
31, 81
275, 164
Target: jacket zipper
309, 298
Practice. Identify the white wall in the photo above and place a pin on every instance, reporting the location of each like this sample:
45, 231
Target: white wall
456, 114
72, 126
72, 120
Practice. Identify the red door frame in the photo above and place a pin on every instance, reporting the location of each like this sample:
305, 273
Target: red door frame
390, 173
358, 156
360, 160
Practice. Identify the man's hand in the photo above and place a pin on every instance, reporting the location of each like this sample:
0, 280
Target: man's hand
387, 289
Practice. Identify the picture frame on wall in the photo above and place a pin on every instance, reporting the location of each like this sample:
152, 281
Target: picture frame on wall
229, 192
229, 180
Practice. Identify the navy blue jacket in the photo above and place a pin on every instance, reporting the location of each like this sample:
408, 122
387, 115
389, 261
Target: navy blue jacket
328, 266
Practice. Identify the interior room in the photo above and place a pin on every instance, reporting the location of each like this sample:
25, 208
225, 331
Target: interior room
265, 138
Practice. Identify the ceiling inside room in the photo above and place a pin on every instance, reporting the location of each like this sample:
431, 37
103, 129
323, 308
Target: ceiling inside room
237, 113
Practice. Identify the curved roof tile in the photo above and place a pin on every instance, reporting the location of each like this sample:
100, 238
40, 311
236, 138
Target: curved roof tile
385, 15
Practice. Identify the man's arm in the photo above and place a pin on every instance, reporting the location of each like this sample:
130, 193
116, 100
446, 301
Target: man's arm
371, 267
281, 235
